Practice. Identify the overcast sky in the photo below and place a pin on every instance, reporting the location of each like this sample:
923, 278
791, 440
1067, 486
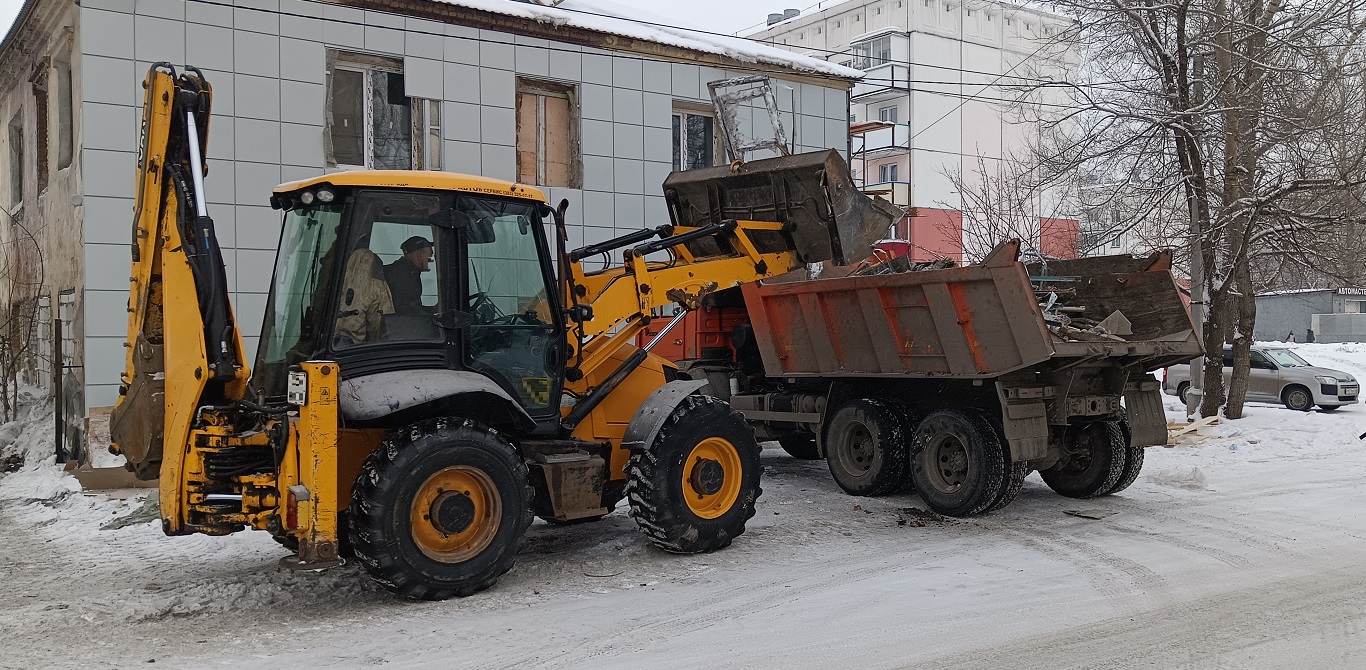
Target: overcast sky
723, 16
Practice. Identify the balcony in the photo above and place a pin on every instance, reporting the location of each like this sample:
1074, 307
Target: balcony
881, 139
887, 81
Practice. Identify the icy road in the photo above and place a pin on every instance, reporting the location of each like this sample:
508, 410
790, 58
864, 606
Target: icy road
1243, 549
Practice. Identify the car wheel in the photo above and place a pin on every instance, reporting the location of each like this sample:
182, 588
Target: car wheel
1181, 392
1298, 398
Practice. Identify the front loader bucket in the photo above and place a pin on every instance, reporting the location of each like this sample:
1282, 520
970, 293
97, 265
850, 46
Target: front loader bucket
826, 218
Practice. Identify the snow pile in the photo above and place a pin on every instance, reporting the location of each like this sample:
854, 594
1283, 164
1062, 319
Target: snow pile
1191, 478
607, 17
31, 440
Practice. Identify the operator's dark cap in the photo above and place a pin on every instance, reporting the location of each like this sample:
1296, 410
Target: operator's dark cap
414, 243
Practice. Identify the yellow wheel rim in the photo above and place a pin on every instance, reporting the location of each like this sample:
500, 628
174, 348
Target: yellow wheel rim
712, 476
455, 514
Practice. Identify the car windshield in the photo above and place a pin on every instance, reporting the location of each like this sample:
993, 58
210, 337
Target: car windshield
1286, 358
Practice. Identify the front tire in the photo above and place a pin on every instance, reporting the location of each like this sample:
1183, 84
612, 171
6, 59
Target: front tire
957, 463
1298, 398
694, 487
1096, 464
865, 447
440, 509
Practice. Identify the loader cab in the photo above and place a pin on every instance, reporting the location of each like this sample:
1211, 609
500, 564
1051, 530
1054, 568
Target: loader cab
395, 271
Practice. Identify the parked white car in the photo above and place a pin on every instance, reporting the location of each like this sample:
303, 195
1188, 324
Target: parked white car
1279, 375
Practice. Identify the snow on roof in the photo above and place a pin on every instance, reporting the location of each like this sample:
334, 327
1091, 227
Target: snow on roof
608, 17
1290, 291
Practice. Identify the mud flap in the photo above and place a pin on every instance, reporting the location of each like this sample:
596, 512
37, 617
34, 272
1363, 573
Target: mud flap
1147, 419
652, 414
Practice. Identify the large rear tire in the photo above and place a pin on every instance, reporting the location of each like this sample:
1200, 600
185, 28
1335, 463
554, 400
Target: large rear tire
694, 487
957, 463
440, 509
1133, 460
1096, 462
865, 447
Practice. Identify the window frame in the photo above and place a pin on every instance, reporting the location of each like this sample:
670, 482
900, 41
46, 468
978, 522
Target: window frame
680, 112
540, 89
14, 140
885, 170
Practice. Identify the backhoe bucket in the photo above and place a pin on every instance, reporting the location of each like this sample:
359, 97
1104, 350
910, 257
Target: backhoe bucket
826, 217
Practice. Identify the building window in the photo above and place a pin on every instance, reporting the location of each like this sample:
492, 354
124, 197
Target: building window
65, 136
16, 162
694, 140
426, 134
887, 114
547, 141
873, 52
40, 101
370, 117
886, 172
1114, 244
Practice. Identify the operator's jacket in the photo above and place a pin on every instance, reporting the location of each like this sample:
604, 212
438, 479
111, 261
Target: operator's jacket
365, 299
405, 286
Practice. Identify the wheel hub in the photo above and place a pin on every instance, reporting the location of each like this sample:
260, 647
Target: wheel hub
708, 476
453, 512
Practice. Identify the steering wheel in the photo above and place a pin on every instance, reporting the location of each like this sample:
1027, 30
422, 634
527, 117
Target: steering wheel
483, 309
517, 320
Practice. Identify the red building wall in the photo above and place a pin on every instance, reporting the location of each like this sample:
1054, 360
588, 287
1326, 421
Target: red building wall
1060, 238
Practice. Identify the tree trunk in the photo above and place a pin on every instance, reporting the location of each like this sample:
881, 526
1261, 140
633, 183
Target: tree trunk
1214, 352
1246, 301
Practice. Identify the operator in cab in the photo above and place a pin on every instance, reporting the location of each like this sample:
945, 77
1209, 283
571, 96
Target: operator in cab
405, 275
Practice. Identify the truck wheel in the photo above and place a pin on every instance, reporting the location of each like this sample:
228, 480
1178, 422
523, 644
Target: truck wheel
957, 463
802, 447
1015, 473
865, 447
1298, 398
1181, 392
440, 509
694, 487
1097, 457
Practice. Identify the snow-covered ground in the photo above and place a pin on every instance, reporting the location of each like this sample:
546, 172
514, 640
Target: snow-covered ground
1243, 550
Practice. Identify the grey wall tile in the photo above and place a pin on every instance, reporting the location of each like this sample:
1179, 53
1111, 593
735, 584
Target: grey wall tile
254, 269
836, 103
221, 182
256, 97
465, 157
386, 19
628, 141
106, 266
262, 16
257, 141
567, 66
500, 162
302, 60
106, 220
198, 12
812, 131
498, 126
628, 73
383, 40
596, 137
685, 80
157, 39
258, 227
211, 45
167, 9
98, 395
659, 109
104, 360
225, 226
460, 121
837, 134
289, 173
254, 183
125, 6
658, 77
628, 106
597, 69
597, 173
107, 33
424, 78
462, 83
812, 100
302, 8
106, 313
424, 39
108, 173
462, 48
110, 127
659, 144
705, 76
302, 27
251, 308
343, 26
495, 50
630, 212
628, 175
533, 60
256, 54
656, 211
599, 210
655, 174
595, 102
109, 80
497, 88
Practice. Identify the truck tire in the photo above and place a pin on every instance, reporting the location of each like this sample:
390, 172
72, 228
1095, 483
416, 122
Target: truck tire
865, 447
801, 447
957, 463
1015, 473
1098, 456
440, 509
1298, 398
694, 487
1133, 459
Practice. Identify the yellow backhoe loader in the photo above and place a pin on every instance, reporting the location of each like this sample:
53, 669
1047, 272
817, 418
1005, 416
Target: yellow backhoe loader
436, 367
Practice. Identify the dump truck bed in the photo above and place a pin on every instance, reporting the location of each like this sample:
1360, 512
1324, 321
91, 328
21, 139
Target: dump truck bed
978, 321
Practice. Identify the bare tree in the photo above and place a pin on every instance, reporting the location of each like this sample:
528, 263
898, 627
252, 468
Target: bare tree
1007, 199
21, 284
